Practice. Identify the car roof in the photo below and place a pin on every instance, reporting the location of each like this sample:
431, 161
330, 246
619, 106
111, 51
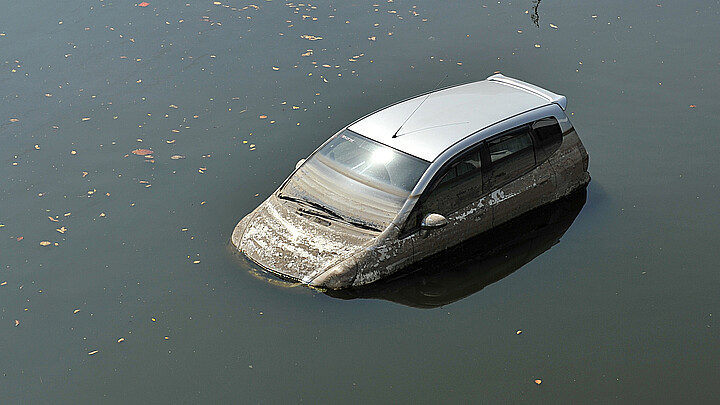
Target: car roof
426, 125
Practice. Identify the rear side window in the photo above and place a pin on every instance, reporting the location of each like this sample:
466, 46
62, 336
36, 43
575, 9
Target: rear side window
511, 155
549, 136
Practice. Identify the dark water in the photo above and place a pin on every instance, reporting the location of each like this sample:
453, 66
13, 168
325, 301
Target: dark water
621, 310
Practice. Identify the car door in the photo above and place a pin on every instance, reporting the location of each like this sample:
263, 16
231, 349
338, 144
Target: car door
517, 182
458, 193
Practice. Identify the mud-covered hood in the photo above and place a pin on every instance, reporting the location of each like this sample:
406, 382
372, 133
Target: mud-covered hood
298, 245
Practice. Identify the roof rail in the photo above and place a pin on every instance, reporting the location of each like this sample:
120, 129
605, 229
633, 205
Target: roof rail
539, 91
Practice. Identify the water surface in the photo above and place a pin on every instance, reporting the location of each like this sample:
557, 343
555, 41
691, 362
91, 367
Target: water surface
621, 310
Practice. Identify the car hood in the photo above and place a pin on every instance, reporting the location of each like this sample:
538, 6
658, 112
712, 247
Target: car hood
283, 239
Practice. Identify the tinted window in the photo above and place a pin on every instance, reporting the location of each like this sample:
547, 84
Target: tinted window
511, 156
549, 136
459, 184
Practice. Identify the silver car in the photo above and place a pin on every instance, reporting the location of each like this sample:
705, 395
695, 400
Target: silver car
414, 179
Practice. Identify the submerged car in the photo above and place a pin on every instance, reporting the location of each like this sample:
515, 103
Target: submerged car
414, 179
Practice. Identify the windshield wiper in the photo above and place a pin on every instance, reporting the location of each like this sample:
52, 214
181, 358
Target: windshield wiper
362, 225
313, 204
333, 214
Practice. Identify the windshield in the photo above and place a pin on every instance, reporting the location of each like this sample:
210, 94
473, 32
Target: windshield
359, 179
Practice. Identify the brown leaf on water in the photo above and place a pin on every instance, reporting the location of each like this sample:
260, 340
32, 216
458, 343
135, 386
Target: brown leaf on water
85, 119
19, 238
538, 381
45, 243
93, 352
262, 117
53, 219
61, 229
76, 311
17, 323
121, 340
176, 157
14, 120
142, 152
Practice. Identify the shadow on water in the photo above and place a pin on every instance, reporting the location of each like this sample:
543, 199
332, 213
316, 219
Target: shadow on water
483, 260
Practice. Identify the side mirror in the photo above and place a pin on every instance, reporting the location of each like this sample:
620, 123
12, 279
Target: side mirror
433, 221
299, 163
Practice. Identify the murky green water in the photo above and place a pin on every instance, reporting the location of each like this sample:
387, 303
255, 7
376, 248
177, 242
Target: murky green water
140, 299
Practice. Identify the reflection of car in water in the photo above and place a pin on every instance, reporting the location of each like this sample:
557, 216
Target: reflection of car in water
414, 179
471, 266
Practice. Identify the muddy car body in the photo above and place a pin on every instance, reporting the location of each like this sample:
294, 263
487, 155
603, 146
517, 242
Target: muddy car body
414, 179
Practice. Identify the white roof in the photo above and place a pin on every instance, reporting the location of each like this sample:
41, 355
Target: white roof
446, 116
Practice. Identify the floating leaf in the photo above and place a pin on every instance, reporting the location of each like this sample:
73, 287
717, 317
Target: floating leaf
53, 219
93, 352
176, 157
76, 311
262, 117
538, 381
142, 152
45, 243
14, 120
144, 4
85, 119
121, 340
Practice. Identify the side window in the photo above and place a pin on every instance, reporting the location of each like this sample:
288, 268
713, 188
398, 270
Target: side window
549, 136
511, 156
456, 186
